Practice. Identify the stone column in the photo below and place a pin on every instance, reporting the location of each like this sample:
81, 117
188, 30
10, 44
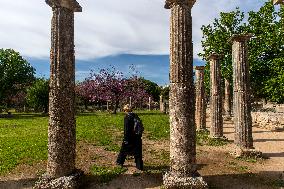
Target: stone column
130, 101
107, 105
227, 100
62, 123
149, 105
216, 130
183, 169
242, 95
200, 101
162, 103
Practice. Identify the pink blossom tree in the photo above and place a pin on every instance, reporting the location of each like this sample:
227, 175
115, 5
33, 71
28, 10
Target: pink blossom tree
110, 85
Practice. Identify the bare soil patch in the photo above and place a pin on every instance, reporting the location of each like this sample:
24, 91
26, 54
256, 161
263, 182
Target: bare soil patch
215, 164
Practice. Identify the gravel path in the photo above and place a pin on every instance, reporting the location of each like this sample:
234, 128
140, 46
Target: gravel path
271, 144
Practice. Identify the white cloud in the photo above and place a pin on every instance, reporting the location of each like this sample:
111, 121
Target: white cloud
105, 27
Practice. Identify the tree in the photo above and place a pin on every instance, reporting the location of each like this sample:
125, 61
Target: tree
110, 85
15, 74
266, 52
152, 89
165, 92
266, 49
216, 39
37, 95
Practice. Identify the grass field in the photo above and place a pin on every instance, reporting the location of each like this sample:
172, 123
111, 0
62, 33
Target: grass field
23, 138
23, 142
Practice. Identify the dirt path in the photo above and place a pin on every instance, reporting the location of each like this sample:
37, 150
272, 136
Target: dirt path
271, 144
217, 167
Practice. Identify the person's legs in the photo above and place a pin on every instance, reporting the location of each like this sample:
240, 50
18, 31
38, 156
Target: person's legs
121, 158
122, 155
139, 162
138, 154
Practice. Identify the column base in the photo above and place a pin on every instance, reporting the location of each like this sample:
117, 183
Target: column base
66, 182
203, 130
172, 181
247, 153
227, 118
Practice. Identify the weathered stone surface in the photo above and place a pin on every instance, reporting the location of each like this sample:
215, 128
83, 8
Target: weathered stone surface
72, 5
277, 2
150, 104
174, 182
268, 120
247, 153
200, 101
66, 182
216, 129
62, 126
242, 101
182, 101
162, 104
227, 100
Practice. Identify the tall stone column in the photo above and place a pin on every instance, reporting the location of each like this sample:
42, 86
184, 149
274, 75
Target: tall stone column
61, 172
242, 94
216, 130
130, 101
183, 169
149, 104
62, 123
200, 101
227, 100
162, 103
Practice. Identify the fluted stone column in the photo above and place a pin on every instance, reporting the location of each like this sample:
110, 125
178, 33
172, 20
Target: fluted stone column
130, 101
162, 103
242, 95
200, 101
62, 126
183, 169
227, 100
216, 129
149, 104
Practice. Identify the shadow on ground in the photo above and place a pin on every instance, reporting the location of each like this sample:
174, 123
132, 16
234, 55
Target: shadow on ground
155, 180
17, 184
246, 181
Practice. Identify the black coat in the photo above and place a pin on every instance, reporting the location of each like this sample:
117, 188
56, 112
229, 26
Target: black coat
132, 143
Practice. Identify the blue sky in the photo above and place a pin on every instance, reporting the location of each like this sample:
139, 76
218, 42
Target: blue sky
152, 67
107, 32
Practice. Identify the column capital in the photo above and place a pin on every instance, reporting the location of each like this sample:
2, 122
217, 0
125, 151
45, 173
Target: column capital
214, 56
241, 37
72, 5
277, 2
201, 68
170, 3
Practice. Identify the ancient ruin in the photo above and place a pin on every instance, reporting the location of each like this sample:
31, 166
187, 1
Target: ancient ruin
61, 172
162, 107
200, 101
183, 168
216, 129
227, 100
150, 104
242, 95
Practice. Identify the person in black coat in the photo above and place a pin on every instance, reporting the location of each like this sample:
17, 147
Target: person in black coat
132, 143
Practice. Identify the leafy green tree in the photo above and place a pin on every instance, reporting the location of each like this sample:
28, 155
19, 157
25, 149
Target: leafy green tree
266, 52
216, 39
37, 95
165, 92
266, 48
15, 74
152, 89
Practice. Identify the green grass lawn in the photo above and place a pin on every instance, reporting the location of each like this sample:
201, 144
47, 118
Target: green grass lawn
23, 138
